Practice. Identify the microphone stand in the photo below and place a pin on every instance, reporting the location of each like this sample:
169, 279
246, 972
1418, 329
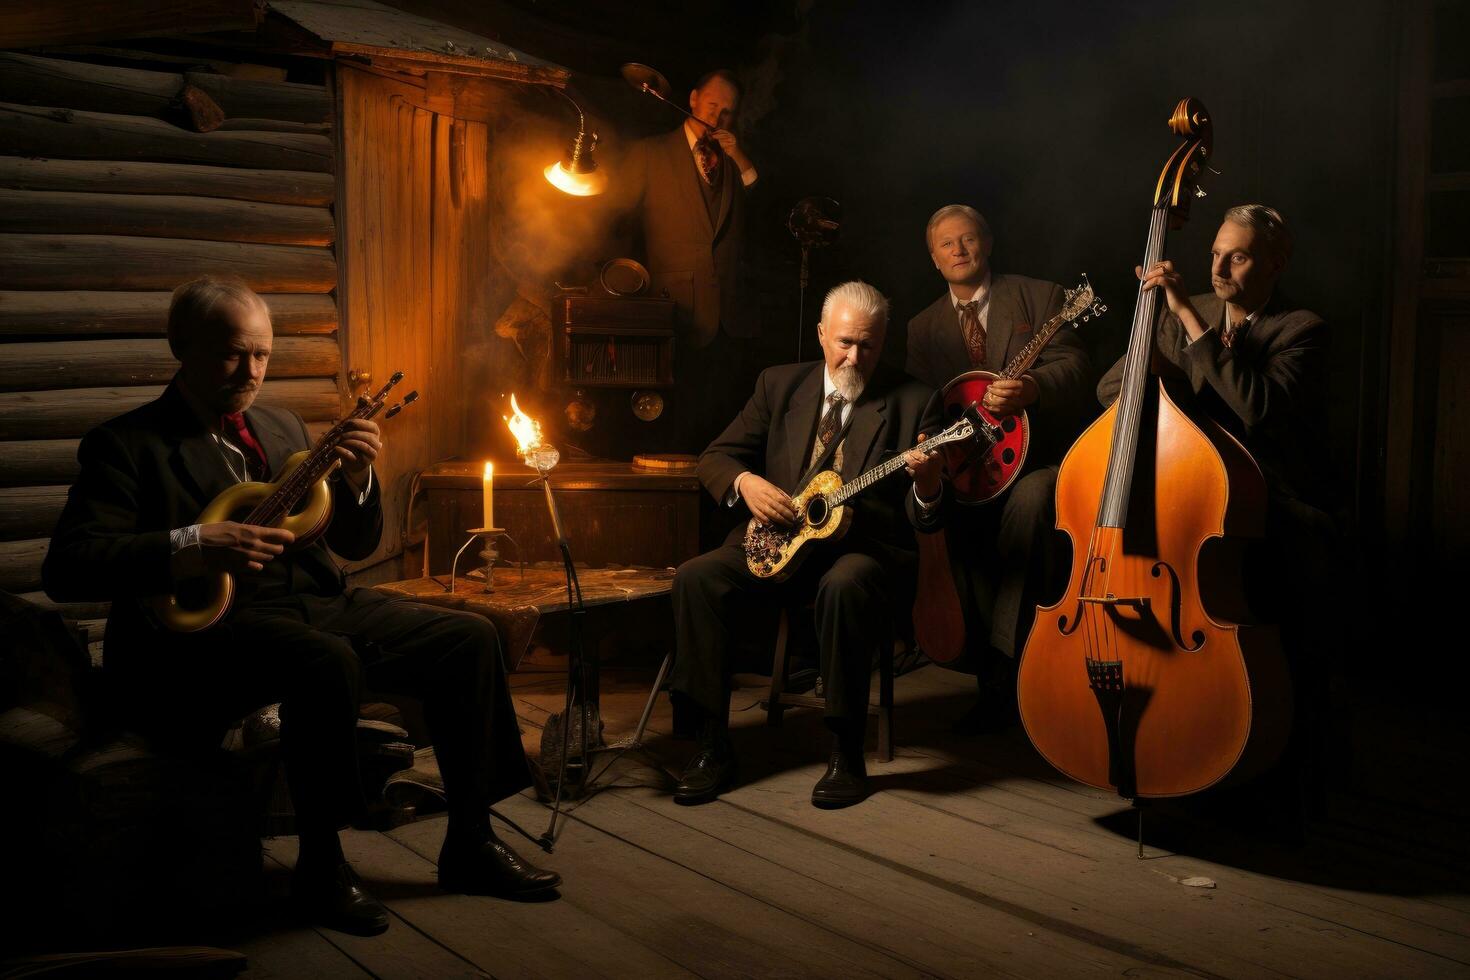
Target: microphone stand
543, 458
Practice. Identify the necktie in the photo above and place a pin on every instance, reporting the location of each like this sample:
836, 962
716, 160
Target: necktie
974, 333
828, 428
707, 154
1232, 330
234, 423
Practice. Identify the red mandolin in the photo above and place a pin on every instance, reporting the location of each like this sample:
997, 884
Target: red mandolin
980, 474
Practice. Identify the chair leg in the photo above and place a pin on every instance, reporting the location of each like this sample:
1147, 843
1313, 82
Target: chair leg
658, 682
774, 707
885, 705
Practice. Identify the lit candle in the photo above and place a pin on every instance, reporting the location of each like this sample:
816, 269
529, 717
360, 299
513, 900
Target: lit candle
488, 482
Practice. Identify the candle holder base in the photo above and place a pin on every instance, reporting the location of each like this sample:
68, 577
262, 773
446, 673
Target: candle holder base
489, 555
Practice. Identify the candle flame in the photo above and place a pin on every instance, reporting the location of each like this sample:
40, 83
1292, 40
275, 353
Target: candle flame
526, 429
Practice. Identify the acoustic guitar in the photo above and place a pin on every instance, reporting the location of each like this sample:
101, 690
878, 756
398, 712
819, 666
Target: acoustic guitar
198, 603
772, 551
981, 475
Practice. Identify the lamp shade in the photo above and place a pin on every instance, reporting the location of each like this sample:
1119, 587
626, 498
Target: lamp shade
588, 184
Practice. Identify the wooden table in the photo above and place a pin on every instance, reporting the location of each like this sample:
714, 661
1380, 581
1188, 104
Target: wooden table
517, 604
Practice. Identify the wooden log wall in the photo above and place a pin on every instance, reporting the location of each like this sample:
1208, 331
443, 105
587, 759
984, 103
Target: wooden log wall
108, 200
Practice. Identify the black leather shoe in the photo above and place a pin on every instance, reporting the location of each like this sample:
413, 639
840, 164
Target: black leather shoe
333, 896
706, 777
845, 783
493, 868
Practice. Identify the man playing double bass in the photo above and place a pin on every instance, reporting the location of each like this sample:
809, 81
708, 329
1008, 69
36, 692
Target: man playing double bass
1256, 363
999, 551
295, 633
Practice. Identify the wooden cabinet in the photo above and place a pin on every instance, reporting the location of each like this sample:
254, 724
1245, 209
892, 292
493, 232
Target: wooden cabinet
613, 513
614, 341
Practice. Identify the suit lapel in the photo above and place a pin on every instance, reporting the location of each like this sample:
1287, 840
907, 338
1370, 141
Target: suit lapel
867, 421
197, 460
686, 174
799, 426
277, 443
1000, 325
729, 183
943, 323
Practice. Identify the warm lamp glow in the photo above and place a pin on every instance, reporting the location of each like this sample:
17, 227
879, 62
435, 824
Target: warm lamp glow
578, 185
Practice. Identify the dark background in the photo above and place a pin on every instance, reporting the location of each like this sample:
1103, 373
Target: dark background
1048, 117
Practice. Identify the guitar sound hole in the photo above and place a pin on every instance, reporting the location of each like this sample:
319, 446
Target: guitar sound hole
1009, 424
1008, 456
817, 512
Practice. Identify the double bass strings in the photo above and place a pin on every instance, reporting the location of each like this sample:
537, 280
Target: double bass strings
1100, 630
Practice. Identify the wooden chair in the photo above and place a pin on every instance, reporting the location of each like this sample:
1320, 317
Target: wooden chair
780, 699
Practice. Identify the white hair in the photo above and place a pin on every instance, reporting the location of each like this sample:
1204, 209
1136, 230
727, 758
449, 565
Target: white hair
859, 297
950, 211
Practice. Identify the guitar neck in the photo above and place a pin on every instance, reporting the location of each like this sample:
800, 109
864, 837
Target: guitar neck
872, 476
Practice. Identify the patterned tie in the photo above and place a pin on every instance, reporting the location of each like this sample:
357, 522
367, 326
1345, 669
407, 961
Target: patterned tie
707, 154
1232, 330
974, 333
255, 463
828, 428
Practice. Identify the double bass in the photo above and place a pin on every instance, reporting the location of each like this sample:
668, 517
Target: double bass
1147, 677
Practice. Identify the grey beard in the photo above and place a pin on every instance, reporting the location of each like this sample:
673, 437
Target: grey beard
849, 382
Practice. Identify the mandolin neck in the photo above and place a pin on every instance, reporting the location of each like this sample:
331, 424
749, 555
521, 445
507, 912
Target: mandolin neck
296, 484
1027, 356
1113, 508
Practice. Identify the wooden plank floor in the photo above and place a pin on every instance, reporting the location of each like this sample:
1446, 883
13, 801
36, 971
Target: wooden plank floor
972, 858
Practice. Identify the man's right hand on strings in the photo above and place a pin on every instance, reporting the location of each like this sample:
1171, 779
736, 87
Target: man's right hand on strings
767, 502
229, 546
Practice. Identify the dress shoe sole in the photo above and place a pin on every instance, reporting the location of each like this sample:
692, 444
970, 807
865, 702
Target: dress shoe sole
374, 926
709, 795
836, 802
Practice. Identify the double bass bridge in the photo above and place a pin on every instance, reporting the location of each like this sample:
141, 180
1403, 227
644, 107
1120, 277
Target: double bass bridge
1140, 602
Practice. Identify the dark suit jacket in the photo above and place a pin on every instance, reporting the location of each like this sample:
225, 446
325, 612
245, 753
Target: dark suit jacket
1268, 389
154, 469
772, 437
696, 259
1018, 305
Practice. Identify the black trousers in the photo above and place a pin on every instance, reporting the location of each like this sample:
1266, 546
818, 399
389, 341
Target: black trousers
720, 607
315, 655
1002, 556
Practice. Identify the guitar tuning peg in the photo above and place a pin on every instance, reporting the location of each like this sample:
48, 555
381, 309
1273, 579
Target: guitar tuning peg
392, 412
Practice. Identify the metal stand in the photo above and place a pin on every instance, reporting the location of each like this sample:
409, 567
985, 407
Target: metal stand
490, 553
579, 680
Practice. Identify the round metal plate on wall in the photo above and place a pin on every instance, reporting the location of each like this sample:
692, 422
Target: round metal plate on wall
624, 277
647, 405
580, 412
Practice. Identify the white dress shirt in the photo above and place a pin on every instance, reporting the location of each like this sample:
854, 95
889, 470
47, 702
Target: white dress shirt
982, 312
